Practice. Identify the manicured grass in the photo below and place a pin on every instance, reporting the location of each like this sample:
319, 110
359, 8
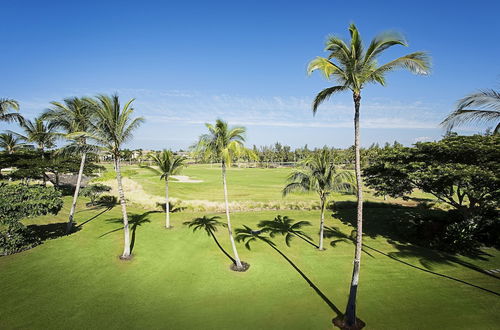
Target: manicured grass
180, 280
244, 184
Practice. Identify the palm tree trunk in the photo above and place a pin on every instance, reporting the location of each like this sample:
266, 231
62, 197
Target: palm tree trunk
167, 206
322, 224
351, 303
231, 238
126, 229
75, 196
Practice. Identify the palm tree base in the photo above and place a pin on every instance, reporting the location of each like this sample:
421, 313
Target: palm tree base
170, 227
340, 322
244, 267
122, 257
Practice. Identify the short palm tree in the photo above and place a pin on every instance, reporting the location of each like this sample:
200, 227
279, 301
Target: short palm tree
10, 142
6, 114
39, 131
168, 164
318, 173
353, 66
224, 144
286, 226
477, 108
113, 127
209, 225
74, 116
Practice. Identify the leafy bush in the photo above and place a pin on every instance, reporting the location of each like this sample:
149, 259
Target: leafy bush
107, 200
18, 201
93, 191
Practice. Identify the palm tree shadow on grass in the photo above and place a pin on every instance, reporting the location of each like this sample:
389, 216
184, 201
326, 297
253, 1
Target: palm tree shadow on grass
106, 209
135, 221
410, 251
249, 235
209, 225
390, 221
50, 230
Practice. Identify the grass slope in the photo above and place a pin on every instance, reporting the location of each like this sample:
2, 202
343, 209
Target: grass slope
180, 280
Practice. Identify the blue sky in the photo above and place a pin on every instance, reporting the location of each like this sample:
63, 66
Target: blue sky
187, 63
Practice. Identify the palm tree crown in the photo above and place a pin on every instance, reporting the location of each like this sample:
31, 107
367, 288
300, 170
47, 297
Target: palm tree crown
114, 124
353, 67
222, 143
39, 131
318, 173
10, 142
6, 114
477, 108
168, 163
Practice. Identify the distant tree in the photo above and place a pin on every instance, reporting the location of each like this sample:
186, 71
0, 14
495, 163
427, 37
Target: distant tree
353, 66
10, 142
477, 108
113, 127
168, 164
224, 144
318, 173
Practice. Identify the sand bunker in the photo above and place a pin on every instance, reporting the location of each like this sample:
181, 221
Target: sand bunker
185, 178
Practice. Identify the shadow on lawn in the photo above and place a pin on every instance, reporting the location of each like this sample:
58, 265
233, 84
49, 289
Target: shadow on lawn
106, 209
248, 235
427, 257
50, 230
135, 221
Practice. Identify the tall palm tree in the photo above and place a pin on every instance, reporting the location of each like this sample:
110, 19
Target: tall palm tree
286, 226
224, 144
10, 142
168, 164
209, 225
74, 116
6, 114
113, 127
477, 108
318, 173
353, 67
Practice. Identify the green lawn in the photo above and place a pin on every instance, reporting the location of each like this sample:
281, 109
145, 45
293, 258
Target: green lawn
244, 184
180, 280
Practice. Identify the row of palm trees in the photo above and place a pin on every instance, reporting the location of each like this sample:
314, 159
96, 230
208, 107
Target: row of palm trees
86, 124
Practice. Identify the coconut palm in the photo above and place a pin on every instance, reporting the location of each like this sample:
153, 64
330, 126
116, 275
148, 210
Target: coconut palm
224, 144
353, 67
10, 142
477, 108
209, 225
318, 173
39, 131
74, 116
286, 226
6, 114
113, 127
168, 164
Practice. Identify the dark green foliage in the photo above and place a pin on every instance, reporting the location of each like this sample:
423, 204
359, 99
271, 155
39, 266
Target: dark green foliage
461, 171
23, 201
93, 191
